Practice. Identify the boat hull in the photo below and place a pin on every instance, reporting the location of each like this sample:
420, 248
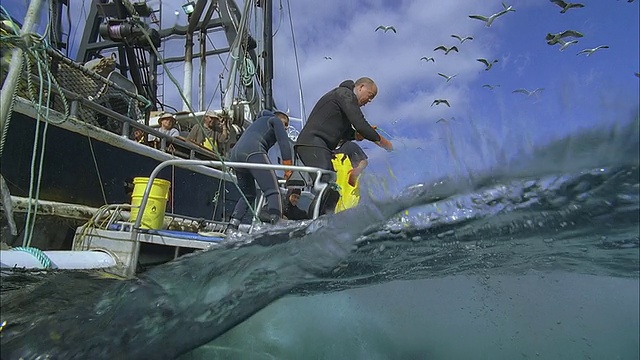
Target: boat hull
89, 166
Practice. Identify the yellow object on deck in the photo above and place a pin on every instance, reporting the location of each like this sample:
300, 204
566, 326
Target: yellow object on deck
153, 215
349, 195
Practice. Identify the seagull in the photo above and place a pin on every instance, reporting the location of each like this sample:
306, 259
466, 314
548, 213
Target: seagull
444, 120
445, 49
328, 58
447, 77
553, 39
461, 39
440, 101
590, 52
490, 87
387, 28
489, 20
428, 59
487, 63
527, 92
566, 6
566, 44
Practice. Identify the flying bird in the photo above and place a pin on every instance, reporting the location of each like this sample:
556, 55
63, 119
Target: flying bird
590, 52
487, 63
637, 74
566, 44
440, 101
490, 87
444, 120
553, 39
489, 20
461, 39
328, 58
566, 6
446, 49
527, 92
428, 59
447, 76
387, 28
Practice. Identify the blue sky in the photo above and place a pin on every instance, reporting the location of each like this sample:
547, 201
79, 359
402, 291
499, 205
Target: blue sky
579, 91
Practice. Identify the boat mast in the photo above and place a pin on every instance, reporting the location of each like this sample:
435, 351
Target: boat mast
15, 67
267, 85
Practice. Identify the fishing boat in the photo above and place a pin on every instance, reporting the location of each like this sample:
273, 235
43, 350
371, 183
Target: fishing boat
67, 148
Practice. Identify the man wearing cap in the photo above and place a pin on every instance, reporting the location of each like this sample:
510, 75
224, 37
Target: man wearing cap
253, 147
213, 134
291, 209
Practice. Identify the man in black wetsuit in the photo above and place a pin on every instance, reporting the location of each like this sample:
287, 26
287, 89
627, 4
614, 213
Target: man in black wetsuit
332, 121
253, 147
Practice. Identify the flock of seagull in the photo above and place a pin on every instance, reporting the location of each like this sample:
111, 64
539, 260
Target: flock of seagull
564, 39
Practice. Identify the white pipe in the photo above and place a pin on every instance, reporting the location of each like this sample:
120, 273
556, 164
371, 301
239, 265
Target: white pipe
188, 73
69, 260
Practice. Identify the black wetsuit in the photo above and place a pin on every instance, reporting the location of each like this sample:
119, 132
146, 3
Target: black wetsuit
253, 147
332, 121
353, 151
293, 212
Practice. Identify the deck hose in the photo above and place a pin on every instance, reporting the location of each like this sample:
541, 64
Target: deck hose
37, 253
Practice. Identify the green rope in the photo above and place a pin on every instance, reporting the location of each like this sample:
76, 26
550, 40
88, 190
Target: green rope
37, 253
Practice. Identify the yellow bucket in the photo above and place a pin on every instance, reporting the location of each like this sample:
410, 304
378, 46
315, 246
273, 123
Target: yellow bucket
349, 195
153, 215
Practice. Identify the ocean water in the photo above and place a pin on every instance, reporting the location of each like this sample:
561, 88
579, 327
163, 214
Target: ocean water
536, 259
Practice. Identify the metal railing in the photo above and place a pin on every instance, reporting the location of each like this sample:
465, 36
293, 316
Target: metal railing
319, 186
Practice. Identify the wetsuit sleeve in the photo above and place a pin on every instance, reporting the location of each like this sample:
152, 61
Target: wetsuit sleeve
281, 138
355, 116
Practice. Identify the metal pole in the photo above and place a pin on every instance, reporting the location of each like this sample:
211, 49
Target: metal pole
15, 68
203, 68
188, 71
268, 49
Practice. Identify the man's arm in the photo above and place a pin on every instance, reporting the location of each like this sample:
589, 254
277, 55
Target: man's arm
349, 105
282, 139
195, 135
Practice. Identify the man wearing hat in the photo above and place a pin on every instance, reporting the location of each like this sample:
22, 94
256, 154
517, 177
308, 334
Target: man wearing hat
213, 134
291, 210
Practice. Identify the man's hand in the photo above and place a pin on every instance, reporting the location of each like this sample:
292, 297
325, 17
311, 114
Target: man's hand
287, 173
353, 175
385, 144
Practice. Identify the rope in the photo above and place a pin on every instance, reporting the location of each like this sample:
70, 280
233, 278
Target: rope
95, 163
36, 253
191, 110
295, 54
249, 70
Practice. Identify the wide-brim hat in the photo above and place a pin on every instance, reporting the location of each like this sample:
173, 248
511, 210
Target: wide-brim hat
212, 114
166, 116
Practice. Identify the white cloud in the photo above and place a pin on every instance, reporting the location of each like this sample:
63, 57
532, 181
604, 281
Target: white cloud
407, 86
